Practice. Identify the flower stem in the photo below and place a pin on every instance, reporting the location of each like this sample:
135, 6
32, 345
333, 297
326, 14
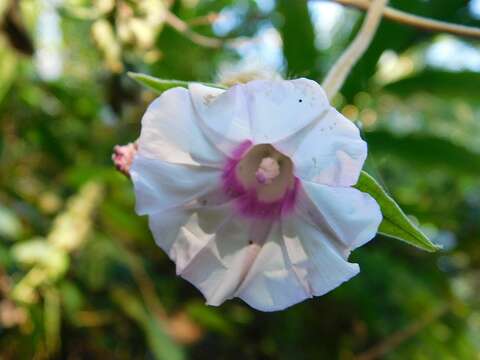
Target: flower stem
339, 72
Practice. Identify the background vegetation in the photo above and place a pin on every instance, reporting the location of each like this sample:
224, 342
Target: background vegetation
80, 276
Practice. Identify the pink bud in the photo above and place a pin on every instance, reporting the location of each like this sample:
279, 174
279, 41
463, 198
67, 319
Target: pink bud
123, 156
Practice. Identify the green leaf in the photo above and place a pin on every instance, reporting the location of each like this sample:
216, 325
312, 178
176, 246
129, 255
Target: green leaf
161, 344
8, 68
422, 151
210, 318
10, 225
460, 84
395, 223
52, 319
161, 85
297, 24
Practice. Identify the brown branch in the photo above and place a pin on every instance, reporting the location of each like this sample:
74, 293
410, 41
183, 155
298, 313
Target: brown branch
204, 20
401, 336
183, 28
415, 20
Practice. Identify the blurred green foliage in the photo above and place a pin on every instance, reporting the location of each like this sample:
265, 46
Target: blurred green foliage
108, 292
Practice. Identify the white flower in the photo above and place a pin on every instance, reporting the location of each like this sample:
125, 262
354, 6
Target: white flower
248, 190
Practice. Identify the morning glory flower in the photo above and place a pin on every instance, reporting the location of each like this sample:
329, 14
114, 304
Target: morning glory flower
249, 190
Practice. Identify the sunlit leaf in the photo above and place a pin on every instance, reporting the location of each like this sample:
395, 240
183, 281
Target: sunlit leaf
161, 85
395, 223
39, 252
8, 65
10, 225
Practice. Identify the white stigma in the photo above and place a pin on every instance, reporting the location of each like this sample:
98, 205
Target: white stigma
268, 170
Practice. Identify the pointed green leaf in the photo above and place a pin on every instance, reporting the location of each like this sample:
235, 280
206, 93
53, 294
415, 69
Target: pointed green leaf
161, 85
395, 223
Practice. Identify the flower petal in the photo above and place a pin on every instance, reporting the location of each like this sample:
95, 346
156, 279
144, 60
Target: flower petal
166, 225
302, 265
329, 152
350, 216
318, 265
171, 132
271, 283
214, 251
160, 185
263, 111
227, 256
280, 108
224, 114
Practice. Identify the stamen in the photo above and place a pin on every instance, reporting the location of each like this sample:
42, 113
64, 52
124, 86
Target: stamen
268, 170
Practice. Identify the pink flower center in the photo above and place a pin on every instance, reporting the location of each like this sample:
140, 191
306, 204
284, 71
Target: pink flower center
261, 181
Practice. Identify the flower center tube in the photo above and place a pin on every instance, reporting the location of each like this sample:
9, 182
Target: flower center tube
261, 180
